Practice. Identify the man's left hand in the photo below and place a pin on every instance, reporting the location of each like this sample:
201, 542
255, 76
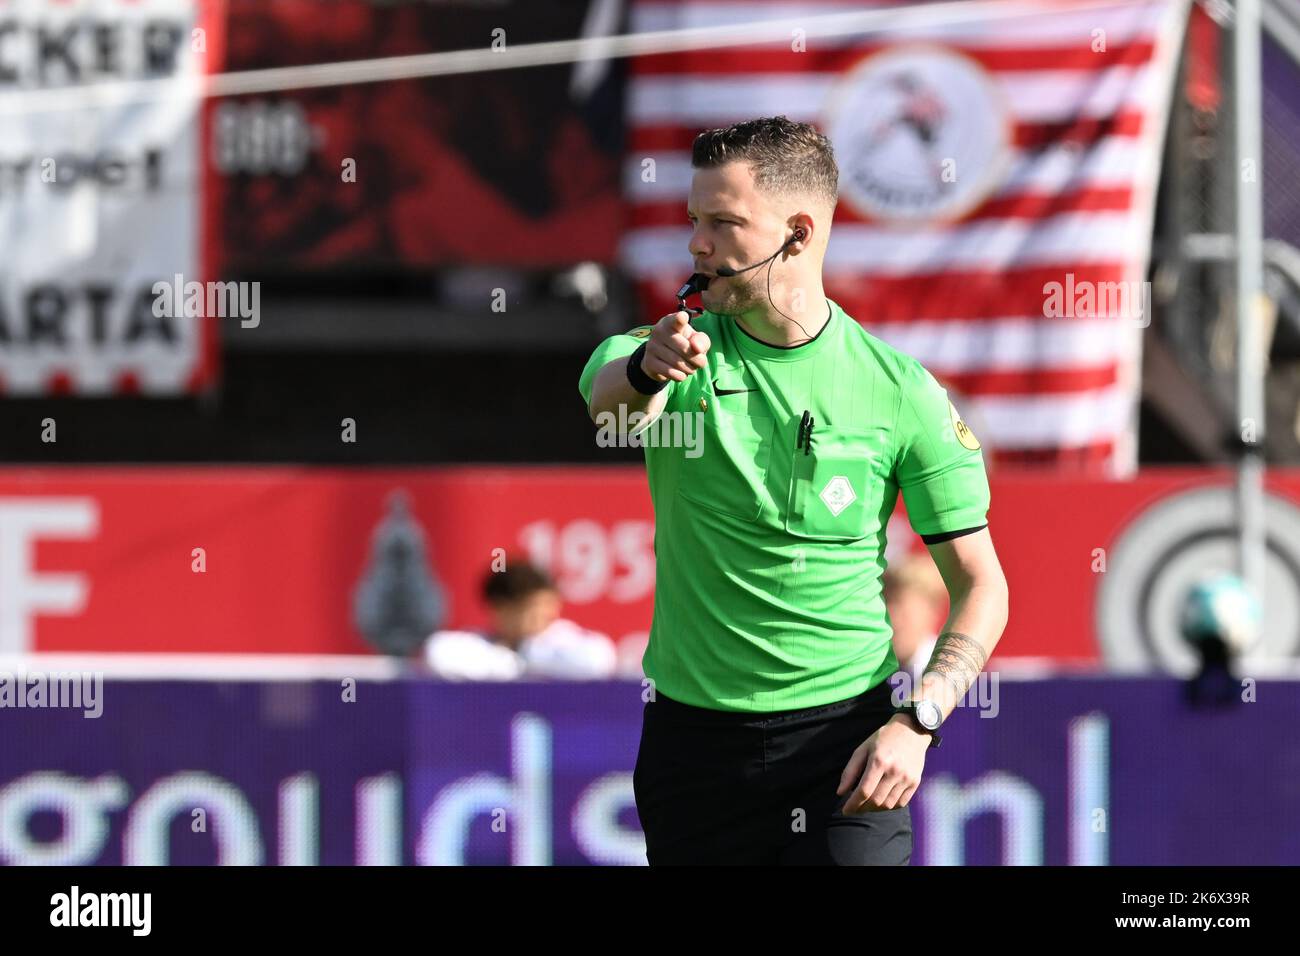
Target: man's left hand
886, 768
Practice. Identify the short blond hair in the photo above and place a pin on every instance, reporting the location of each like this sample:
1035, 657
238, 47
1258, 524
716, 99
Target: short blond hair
786, 158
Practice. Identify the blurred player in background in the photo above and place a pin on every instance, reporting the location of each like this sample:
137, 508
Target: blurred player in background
770, 736
916, 602
526, 639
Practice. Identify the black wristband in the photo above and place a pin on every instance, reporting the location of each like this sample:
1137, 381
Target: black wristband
639, 380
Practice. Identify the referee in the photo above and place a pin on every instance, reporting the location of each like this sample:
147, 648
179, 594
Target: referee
771, 733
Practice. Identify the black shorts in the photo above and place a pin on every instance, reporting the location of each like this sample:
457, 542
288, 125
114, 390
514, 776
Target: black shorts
727, 788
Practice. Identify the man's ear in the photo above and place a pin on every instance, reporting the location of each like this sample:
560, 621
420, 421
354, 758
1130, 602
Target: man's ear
802, 230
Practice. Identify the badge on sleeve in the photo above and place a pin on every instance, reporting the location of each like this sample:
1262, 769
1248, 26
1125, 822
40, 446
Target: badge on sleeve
964, 434
641, 333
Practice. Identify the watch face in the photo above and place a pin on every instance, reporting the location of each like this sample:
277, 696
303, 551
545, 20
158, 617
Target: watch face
928, 714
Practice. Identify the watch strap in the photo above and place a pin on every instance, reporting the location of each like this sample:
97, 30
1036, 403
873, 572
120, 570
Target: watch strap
909, 707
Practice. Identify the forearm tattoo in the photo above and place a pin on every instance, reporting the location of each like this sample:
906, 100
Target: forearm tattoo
958, 658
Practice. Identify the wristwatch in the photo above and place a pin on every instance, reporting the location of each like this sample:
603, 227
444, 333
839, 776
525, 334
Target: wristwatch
925, 714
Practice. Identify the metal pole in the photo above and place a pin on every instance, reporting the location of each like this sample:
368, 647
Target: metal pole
1250, 223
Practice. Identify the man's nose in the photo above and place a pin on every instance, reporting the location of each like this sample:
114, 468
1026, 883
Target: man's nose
697, 247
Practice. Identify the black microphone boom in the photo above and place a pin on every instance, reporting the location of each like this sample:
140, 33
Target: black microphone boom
727, 272
699, 281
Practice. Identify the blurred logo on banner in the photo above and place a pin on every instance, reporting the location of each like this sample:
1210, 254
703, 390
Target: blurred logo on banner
921, 133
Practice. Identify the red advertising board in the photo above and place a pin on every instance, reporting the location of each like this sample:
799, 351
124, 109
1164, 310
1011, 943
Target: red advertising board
108, 559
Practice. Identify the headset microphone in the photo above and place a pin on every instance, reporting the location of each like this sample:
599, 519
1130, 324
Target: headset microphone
726, 272
699, 282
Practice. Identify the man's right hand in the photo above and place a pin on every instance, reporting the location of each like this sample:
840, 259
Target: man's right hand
674, 350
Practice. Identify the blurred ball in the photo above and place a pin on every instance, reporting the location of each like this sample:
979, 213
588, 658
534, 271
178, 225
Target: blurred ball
1221, 608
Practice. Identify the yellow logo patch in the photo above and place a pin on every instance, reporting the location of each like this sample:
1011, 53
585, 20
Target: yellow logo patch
641, 333
964, 434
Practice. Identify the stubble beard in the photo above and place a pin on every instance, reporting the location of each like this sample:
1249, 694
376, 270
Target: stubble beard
735, 298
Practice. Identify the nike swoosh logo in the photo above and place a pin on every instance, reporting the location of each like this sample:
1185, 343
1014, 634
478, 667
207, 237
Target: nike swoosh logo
730, 391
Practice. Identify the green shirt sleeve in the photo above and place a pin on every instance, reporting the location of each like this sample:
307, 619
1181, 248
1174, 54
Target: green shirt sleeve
616, 346
938, 465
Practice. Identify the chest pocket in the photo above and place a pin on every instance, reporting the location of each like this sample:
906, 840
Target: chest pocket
836, 489
730, 472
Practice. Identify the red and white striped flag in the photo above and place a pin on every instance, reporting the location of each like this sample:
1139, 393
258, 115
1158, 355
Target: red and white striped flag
997, 187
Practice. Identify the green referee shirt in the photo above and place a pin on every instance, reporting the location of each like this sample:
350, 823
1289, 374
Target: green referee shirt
769, 550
